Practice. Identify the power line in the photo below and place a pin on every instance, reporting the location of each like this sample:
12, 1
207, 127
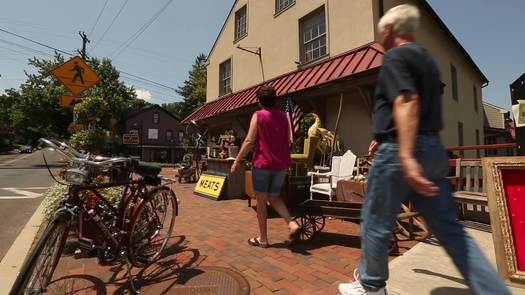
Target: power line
47, 46
25, 47
98, 17
110, 25
141, 30
147, 80
36, 42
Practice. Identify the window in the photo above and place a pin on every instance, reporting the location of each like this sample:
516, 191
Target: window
134, 131
241, 23
477, 143
454, 78
156, 118
225, 73
460, 137
181, 135
281, 5
475, 91
169, 135
153, 133
313, 36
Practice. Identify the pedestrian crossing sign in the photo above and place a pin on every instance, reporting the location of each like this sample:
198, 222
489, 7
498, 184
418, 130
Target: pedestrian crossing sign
76, 75
67, 101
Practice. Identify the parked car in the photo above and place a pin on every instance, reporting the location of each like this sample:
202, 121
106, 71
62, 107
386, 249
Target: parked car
25, 149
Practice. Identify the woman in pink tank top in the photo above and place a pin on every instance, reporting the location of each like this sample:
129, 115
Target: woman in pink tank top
269, 136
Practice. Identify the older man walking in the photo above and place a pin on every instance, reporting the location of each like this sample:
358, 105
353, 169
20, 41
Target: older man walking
411, 163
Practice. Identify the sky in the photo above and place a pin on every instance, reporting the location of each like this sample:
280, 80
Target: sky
491, 32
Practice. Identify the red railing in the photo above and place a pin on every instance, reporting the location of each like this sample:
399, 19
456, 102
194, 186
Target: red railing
479, 147
483, 147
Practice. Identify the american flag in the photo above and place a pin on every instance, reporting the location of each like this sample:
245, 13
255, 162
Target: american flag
294, 115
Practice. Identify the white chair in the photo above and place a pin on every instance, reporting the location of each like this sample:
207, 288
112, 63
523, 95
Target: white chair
342, 169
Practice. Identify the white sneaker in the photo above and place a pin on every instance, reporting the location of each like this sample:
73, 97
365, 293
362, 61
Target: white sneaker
355, 288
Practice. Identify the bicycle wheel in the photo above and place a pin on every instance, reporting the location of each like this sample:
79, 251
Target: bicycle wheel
37, 270
152, 226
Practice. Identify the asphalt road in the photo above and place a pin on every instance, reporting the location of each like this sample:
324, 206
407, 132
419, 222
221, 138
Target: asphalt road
23, 178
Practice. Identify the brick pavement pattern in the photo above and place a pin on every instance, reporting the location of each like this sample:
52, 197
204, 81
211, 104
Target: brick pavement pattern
215, 233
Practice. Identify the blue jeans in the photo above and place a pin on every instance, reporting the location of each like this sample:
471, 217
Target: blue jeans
387, 188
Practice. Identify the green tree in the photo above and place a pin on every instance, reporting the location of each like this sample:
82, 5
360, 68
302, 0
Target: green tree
91, 140
6, 103
118, 96
93, 112
193, 90
36, 110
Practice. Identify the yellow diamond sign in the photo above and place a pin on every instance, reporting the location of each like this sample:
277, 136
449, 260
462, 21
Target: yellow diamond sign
67, 101
76, 75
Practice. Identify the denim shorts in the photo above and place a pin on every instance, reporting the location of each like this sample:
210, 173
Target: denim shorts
268, 181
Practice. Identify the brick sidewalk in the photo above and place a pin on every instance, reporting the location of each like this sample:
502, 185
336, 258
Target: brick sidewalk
215, 233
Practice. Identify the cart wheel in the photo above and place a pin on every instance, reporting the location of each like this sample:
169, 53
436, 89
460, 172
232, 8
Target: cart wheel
307, 228
318, 222
393, 248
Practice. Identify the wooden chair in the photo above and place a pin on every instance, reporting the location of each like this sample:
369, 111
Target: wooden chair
470, 194
306, 159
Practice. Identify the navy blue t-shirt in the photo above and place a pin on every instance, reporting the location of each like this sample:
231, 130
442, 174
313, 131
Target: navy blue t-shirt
407, 68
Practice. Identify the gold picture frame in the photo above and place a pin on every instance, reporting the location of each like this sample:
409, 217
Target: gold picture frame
504, 243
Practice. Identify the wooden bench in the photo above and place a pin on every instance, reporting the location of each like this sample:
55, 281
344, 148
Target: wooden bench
470, 194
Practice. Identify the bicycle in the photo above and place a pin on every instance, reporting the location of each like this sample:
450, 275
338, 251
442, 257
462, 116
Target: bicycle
136, 231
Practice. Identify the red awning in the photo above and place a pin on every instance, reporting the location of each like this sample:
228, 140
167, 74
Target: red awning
349, 63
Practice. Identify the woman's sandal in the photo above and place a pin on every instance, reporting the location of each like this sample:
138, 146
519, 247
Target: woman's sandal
256, 243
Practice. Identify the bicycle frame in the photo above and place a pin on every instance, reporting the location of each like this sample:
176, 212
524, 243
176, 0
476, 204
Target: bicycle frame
75, 207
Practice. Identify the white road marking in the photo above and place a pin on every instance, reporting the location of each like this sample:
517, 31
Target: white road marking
22, 193
16, 159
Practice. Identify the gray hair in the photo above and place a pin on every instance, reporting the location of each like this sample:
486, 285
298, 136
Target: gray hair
404, 19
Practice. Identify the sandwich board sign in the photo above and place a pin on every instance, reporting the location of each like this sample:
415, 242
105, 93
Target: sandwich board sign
76, 75
210, 186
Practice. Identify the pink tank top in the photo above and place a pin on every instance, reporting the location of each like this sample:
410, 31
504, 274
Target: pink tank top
272, 145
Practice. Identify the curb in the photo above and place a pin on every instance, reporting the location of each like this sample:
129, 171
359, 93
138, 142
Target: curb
15, 256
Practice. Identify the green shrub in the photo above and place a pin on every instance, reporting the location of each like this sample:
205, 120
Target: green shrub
92, 140
56, 193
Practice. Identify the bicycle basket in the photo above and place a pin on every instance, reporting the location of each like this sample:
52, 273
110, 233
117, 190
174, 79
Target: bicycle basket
119, 173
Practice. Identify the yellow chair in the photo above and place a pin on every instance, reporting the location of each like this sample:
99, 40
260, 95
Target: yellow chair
306, 159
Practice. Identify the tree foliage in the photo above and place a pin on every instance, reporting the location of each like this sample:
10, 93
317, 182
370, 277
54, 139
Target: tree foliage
93, 111
34, 108
91, 140
193, 90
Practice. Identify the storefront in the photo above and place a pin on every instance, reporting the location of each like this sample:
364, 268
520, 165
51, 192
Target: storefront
344, 82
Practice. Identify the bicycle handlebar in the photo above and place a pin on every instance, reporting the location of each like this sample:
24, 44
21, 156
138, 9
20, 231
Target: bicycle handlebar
81, 158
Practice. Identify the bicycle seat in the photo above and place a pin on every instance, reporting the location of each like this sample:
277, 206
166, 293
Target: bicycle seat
145, 169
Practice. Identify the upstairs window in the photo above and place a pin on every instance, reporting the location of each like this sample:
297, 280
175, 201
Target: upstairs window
281, 5
241, 23
169, 135
454, 78
156, 118
313, 36
225, 74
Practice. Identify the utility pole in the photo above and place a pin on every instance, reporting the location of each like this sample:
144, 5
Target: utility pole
84, 41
